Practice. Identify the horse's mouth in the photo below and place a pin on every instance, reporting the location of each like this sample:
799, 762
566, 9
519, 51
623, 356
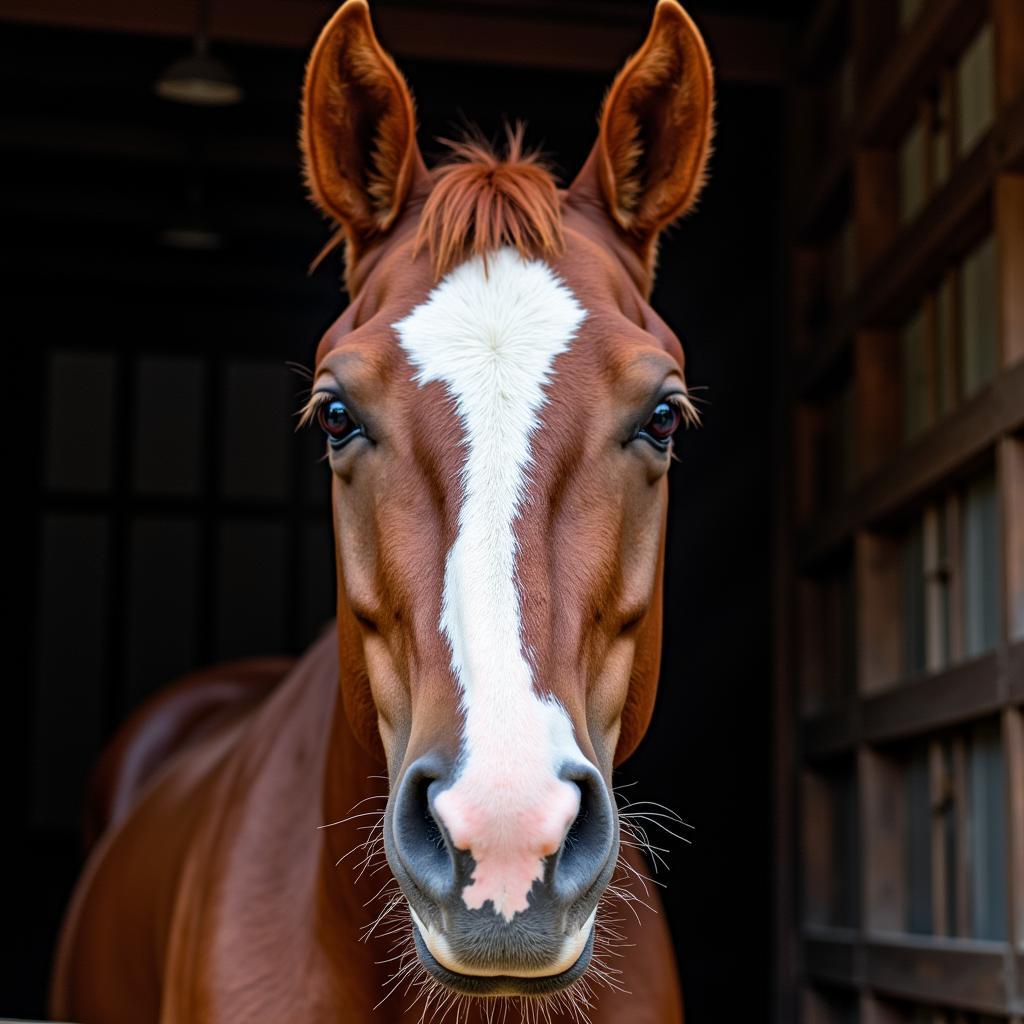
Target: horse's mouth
526, 983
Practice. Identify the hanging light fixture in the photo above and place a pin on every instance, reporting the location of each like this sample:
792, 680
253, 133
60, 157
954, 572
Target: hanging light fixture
190, 227
199, 78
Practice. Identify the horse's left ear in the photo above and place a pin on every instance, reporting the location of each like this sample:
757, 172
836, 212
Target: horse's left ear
358, 129
648, 163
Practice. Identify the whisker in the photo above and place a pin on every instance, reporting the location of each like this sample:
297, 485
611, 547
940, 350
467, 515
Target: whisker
352, 817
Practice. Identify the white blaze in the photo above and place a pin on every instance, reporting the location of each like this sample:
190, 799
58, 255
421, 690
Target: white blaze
491, 335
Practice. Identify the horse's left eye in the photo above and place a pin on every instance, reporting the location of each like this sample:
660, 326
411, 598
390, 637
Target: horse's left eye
337, 424
663, 423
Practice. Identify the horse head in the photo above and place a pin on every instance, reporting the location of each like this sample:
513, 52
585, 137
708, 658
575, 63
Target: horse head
500, 404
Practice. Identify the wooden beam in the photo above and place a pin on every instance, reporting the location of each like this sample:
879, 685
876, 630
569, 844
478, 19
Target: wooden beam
554, 36
1015, 676
937, 37
955, 695
968, 974
171, 271
946, 449
893, 100
892, 281
115, 210
70, 136
953, 220
958, 973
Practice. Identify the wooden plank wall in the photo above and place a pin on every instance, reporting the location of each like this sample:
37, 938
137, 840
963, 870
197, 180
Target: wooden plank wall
907, 215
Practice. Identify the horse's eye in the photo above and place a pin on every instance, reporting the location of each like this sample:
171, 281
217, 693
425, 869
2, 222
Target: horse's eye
337, 424
662, 424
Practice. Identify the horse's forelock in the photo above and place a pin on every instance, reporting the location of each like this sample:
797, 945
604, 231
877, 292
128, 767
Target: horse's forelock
481, 200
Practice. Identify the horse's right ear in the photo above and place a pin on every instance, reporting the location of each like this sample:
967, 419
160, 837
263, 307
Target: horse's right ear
358, 129
648, 163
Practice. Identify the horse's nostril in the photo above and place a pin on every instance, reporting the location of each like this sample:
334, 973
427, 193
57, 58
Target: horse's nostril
418, 838
431, 830
575, 835
572, 837
589, 842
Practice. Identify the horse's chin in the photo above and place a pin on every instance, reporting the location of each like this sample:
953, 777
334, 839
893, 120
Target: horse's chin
571, 967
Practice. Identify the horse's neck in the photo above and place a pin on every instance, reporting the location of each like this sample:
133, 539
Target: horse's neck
269, 855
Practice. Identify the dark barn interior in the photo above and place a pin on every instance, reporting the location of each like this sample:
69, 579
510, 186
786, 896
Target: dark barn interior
817, 697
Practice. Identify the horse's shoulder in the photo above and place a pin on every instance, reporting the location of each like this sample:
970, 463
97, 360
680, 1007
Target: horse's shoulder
171, 720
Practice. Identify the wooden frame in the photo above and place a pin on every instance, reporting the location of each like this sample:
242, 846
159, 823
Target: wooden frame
551, 35
870, 966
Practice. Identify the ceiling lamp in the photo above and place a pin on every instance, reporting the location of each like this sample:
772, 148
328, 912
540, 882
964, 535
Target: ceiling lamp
191, 238
190, 229
199, 78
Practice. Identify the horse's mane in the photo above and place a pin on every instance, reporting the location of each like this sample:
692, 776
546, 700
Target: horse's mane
482, 200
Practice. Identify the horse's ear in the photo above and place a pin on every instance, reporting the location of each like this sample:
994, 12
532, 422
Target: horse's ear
648, 163
358, 128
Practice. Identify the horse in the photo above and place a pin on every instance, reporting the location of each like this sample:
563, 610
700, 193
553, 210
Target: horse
500, 405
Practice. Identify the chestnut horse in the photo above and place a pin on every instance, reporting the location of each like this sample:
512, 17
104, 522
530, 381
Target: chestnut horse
499, 403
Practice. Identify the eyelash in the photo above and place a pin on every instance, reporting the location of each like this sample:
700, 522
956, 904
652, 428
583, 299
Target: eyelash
316, 409
685, 412
320, 400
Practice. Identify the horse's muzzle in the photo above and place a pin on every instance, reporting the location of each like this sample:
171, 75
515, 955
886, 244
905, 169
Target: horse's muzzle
541, 948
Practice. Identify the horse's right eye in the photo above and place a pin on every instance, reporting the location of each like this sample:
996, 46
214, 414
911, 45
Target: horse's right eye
336, 423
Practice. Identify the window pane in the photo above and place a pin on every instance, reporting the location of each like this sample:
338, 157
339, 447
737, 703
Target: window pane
915, 376
912, 164
909, 10
841, 259
936, 563
830, 845
80, 421
161, 635
981, 566
836, 455
169, 425
253, 574
914, 650
989, 896
847, 88
832, 621
919, 842
848, 257
974, 91
945, 390
845, 906
941, 138
71, 667
978, 323
258, 427
951, 841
